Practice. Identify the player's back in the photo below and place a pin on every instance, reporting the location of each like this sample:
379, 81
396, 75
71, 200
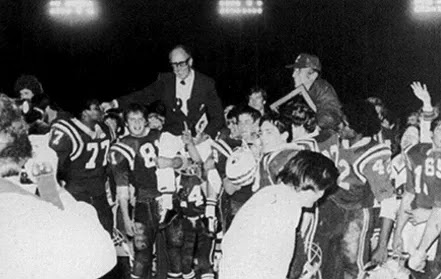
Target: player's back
140, 154
191, 195
364, 174
84, 168
424, 174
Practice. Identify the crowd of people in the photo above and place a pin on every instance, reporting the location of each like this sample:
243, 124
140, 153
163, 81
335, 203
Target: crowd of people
166, 183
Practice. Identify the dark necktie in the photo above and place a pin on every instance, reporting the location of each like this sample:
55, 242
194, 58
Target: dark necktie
182, 82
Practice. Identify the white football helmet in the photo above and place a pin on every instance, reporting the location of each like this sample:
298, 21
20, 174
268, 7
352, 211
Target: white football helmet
241, 167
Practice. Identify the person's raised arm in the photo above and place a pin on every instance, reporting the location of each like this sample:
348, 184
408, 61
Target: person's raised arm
145, 96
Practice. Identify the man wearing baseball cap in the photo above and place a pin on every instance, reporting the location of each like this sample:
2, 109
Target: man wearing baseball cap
306, 72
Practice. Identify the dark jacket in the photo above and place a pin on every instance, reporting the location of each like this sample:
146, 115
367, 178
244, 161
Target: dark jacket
329, 113
204, 99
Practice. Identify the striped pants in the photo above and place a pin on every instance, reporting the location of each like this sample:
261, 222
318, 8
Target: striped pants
344, 237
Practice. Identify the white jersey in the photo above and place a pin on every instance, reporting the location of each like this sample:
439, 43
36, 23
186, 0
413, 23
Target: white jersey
260, 241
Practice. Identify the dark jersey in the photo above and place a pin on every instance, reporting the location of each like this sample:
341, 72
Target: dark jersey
191, 196
133, 161
386, 136
424, 175
273, 162
328, 143
364, 174
82, 155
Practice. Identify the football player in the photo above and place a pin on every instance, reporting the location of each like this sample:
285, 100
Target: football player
82, 143
188, 235
421, 204
346, 216
133, 162
236, 194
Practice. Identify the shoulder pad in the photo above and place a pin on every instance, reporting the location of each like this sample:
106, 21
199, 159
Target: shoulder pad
68, 130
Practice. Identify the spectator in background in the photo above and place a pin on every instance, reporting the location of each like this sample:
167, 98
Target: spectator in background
257, 99
27, 86
388, 130
188, 96
306, 72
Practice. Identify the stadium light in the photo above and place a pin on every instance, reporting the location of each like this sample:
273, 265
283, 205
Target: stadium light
427, 6
240, 7
73, 10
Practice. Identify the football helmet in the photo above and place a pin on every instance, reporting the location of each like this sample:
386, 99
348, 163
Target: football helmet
241, 167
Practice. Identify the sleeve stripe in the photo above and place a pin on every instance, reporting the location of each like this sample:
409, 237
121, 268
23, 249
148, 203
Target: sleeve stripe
309, 144
77, 136
127, 148
126, 155
222, 147
361, 162
76, 143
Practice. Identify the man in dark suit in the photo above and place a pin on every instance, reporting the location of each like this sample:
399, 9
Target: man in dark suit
187, 95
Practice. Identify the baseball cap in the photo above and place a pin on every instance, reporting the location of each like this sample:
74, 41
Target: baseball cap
305, 60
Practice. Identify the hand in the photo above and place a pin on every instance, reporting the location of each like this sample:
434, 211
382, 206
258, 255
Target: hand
379, 256
129, 227
229, 187
418, 215
417, 260
420, 91
105, 106
41, 168
186, 135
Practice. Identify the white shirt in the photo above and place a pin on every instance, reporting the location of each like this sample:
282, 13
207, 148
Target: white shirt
38, 240
183, 91
261, 239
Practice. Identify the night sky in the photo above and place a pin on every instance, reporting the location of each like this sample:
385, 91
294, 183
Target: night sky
367, 48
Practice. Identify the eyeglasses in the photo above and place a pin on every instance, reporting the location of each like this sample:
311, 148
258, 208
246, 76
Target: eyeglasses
180, 64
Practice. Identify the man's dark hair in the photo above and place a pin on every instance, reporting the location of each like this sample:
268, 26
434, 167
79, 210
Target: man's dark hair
115, 115
254, 113
362, 118
299, 113
30, 82
309, 170
257, 89
281, 123
83, 105
134, 107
